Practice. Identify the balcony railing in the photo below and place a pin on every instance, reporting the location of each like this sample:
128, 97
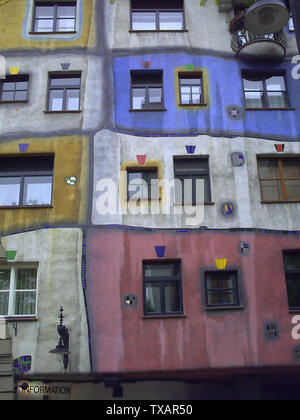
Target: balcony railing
241, 37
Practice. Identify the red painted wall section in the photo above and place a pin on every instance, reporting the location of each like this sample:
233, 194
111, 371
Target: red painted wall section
123, 340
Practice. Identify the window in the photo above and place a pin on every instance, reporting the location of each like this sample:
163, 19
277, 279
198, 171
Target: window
64, 92
146, 89
14, 89
292, 276
279, 178
189, 171
162, 288
264, 90
191, 89
142, 184
157, 15
221, 288
18, 291
54, 17
291, 25
26, 181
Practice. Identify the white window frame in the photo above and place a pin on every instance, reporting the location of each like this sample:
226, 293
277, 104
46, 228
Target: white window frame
11, 304
291, 25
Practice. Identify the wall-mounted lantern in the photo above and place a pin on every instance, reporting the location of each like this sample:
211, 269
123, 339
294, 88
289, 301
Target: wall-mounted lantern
62, 347
266, 17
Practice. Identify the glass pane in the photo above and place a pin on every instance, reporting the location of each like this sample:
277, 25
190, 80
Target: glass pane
21, 95
37, 190
268, 168
138, 98
43, 25
213, 298
8, 86
221, 298
277, 100
143, 21
190, 165
137, 186
9, 191
196, 89
291, 168
271, 190
64, 81
44, 11
254, 99
253, 85
172, 297
161, 270
26, 278
196, 99
56, 100
292, 190
170, 21
8, 96
65, 25
153, 300
66, 11
21, 85
292, 261
185, 98
4, 279
25, 303
275, 83
73, 99
155, 95
293, 290
4, 297
190, 81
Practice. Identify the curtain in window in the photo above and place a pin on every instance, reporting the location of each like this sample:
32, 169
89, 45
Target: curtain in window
4, 291
25, 294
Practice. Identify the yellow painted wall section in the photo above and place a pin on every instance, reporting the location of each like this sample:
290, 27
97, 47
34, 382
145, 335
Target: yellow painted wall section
13, 17
69, 203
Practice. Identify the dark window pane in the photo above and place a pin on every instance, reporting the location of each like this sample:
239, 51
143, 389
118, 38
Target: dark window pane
293, 289
292, 261
292, 190
37, 190
172, 297
4, 279
9, 191
221, 288
28, 164
153, 298
268, 168
271, 190
25, 303
291, 168
146, 77
161, 270
190, 165
4, 298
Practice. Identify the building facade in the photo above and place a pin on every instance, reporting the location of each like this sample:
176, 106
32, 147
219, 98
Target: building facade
149, 187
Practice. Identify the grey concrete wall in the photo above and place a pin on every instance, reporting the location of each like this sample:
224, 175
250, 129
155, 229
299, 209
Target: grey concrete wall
239, 185
30, 117
57, 252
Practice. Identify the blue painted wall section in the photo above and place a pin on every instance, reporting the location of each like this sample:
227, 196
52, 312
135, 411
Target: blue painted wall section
225, 87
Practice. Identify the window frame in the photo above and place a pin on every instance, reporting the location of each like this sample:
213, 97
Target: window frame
198, 175
147, 86
265, 99
157, 11
290, 271
24, 174
237, 290
141, 170
12, 289
55, 5
64, 88
192, 75
160, 280
9, 79
281, 178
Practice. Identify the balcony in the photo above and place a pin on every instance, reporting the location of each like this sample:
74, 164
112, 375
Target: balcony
257, 47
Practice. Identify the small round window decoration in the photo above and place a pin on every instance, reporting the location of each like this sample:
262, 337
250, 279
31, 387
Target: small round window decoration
235, 112
71, 180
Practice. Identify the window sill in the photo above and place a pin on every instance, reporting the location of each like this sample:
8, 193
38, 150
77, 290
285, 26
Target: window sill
62, 112
192, 105
53, 33
27, 207
224, 308
143, 199
280, 202
294, 311
147, 110
161, 316
271, 109
14, 102
134, 31
206, 203
21, 319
